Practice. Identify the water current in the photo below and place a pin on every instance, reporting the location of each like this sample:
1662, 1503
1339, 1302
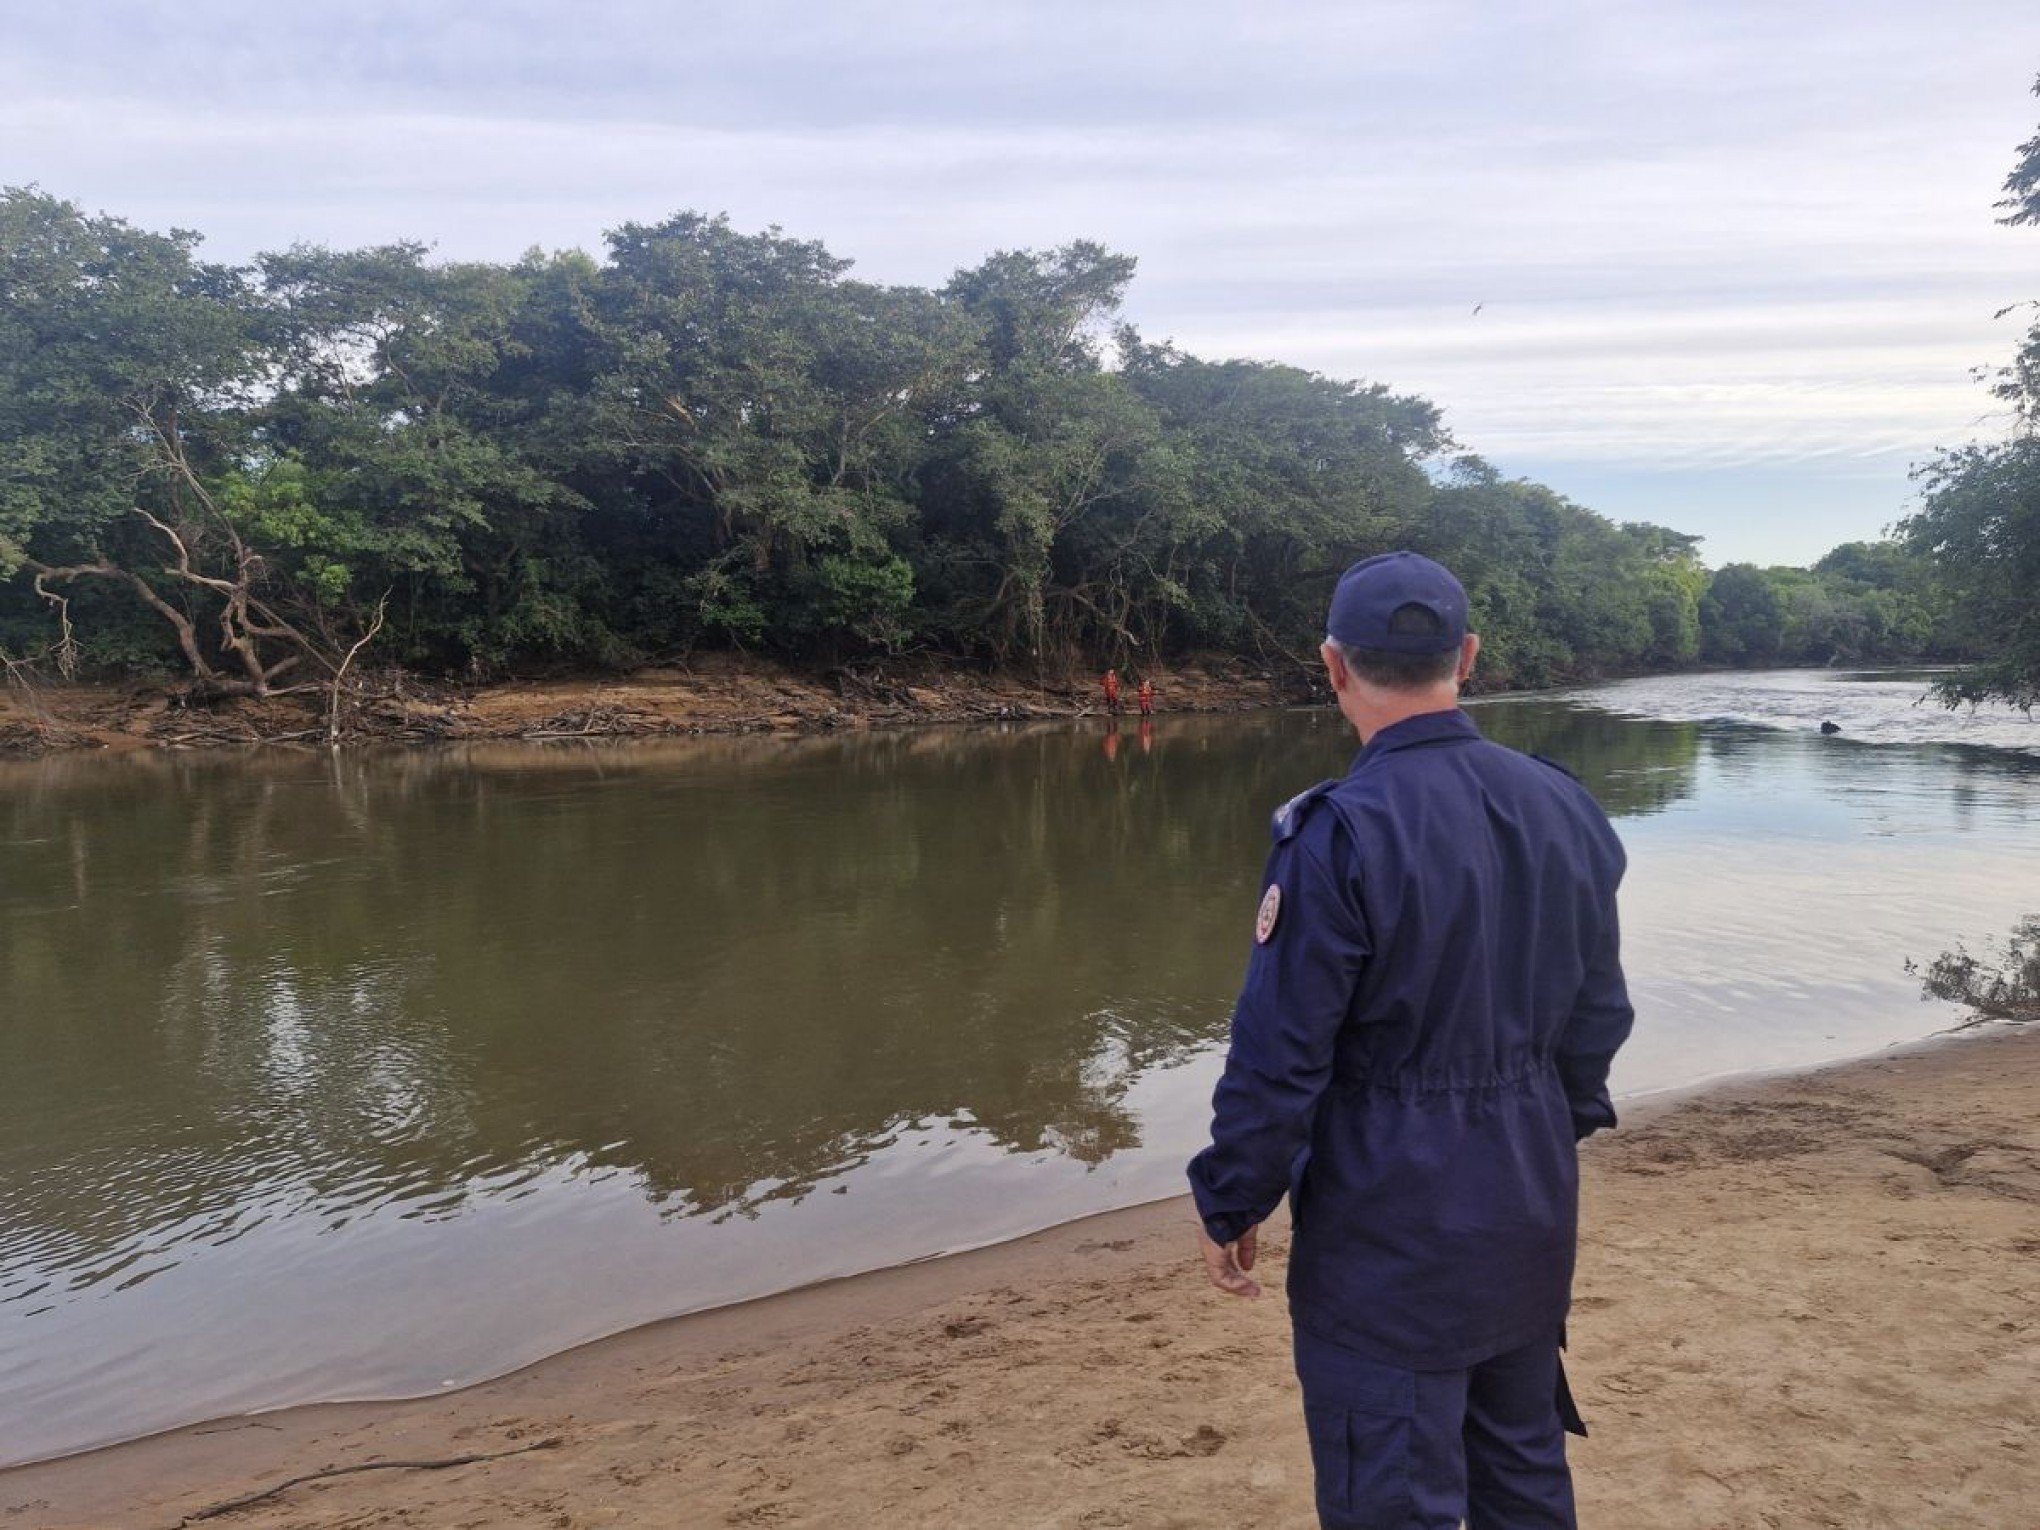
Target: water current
371, 1075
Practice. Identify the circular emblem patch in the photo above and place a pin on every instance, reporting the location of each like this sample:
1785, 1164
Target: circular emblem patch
1271, 910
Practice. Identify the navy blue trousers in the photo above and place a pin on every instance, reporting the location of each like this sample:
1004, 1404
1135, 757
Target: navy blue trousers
1426, 1450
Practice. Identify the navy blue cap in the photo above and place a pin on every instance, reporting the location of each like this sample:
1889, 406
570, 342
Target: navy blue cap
1399, 602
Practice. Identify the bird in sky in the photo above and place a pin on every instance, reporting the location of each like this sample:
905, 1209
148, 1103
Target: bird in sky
1477, 307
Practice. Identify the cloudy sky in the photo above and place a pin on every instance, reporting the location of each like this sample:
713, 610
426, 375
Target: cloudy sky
1735, 263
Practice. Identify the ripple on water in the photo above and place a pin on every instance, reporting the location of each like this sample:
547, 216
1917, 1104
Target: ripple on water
532, 1046
1870, 706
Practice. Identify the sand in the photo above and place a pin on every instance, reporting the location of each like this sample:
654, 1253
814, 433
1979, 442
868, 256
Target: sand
1802, 1302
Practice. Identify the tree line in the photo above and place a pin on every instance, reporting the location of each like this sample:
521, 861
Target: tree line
268, 476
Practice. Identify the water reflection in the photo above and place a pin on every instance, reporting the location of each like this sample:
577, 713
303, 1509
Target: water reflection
1635, 770
401, 972
310, 1052
415, 969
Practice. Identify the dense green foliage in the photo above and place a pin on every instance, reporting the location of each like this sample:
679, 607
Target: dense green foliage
711, 438
1863, 600
1979, 521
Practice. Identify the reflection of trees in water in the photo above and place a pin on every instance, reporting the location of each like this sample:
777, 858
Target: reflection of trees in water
731, 969
178, 1033
1633, 766
2002, 984
1980, 765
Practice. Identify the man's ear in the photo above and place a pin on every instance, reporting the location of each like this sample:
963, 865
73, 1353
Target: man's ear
1468, 651
1335, 665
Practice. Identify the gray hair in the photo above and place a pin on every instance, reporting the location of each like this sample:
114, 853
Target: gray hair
1398, 671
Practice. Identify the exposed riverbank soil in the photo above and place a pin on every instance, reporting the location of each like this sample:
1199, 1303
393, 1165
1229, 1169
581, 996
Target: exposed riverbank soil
718, 694
1807, 1302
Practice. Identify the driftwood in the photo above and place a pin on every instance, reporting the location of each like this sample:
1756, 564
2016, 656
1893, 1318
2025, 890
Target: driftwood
595, 722
42, 731
442, 1463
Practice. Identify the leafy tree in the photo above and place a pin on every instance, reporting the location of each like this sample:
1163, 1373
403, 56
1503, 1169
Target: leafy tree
128, 374
1979, 520
1043, 475
1674, 581
1879, 565
1290, 477
405, 414
755, 420
1557, 591
1742, 620
1898, 607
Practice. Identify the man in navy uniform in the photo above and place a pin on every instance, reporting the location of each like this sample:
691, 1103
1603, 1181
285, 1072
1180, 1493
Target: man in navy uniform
1434, 997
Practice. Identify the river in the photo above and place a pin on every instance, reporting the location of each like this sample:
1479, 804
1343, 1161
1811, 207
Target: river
370, 1075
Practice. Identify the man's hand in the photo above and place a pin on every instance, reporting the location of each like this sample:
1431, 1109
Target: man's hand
1227, 1263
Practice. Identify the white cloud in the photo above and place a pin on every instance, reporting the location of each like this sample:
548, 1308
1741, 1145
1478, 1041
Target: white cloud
1709, 235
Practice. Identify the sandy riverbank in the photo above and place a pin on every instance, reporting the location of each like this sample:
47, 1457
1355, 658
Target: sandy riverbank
1806, 1302
717, 693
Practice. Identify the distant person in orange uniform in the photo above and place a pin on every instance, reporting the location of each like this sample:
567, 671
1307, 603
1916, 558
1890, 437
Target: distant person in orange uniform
1112, 691
1147, 697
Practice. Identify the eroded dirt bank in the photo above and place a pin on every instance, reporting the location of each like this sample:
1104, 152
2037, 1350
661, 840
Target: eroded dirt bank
717, 694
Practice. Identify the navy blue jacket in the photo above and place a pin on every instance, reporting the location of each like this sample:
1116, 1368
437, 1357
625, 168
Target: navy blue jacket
1424, 1035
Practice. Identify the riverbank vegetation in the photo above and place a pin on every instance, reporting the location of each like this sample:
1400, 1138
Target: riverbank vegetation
1979, 522
2002, 984
283, 476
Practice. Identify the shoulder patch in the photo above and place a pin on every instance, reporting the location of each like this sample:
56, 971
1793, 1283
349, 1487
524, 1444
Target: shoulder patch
1289, 817
1563, 770
1271, 910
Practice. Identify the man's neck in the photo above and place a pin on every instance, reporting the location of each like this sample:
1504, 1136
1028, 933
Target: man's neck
1370, 720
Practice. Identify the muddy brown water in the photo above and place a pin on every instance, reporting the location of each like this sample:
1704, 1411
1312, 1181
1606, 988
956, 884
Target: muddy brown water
371, 1075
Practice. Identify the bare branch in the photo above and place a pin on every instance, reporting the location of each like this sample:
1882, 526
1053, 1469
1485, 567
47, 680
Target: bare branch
187, 635
340, 675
